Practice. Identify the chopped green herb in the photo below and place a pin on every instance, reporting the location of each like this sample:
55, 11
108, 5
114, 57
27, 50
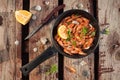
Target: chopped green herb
69, 32
69, 35
52, 69
106, 31
84, 30
77, 15
68, 39
74, 43
93, 33
68, 23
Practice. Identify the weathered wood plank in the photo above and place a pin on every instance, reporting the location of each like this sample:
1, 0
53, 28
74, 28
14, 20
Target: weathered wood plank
10, 54
39, 73
109, 54
84, 67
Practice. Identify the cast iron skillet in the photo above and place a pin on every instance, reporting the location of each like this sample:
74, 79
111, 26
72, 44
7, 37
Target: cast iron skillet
52, 50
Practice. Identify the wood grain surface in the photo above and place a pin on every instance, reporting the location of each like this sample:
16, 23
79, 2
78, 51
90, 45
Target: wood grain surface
40, 73
10, 31
11, 56
84, 67
109, 52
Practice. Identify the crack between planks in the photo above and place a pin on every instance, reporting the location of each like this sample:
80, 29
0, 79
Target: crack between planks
25, 44
96, 52
60, 56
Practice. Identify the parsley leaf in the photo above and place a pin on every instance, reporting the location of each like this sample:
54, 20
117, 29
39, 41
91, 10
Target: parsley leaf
106, 31
93, 33
74, 43
68, 23
84, 30
52, 69
69, 35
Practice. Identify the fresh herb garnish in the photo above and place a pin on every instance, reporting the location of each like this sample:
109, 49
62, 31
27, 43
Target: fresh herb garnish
53, 69
74, 43
68, 23
106, 31
69, 35
93, 33
69, 32
84, 30
77, 15
68, 39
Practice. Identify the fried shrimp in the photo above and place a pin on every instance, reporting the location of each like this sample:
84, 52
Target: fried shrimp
78, 34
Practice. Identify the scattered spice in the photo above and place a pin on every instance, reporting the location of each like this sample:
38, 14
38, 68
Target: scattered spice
16, 42
83, 63
38, 8
34, 17
46, 2
43, 40
80, 6
35, 49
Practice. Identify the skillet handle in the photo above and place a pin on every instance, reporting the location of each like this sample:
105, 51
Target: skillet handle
26, 69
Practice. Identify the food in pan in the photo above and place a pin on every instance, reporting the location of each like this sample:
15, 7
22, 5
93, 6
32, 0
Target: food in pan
75, 34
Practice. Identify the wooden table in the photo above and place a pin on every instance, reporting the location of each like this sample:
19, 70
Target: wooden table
103, 64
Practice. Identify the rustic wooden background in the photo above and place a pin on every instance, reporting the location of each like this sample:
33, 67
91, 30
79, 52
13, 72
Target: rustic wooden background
103, 64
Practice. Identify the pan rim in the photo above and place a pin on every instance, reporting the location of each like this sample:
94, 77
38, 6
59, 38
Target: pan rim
58, 20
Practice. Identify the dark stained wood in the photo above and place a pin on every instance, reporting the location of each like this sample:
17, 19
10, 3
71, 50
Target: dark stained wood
84, 68
109, 54
10, 31
39, 73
